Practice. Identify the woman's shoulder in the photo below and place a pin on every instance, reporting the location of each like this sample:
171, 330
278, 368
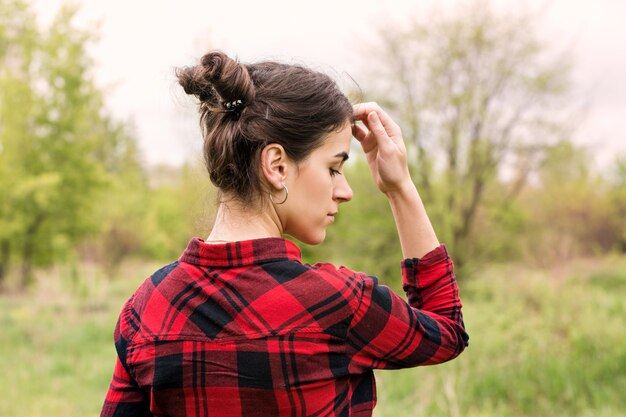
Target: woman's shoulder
145, 292
340, 272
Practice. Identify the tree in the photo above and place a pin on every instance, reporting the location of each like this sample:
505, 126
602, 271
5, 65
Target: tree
479, 97
57, 143
18, 37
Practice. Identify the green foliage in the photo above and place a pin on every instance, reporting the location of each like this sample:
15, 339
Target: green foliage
150, 213
571, 211
617, 197
120, 207
180, 208
52, 135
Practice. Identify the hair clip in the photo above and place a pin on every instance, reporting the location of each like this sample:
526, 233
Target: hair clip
234, 108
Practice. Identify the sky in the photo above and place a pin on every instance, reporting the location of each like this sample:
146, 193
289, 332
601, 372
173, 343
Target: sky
142, 41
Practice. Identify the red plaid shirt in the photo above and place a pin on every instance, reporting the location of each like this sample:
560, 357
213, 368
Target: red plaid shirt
247, 329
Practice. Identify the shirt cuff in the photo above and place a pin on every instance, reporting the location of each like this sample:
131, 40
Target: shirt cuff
415, 271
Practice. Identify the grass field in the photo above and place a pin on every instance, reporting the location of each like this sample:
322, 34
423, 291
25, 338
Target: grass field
543, 343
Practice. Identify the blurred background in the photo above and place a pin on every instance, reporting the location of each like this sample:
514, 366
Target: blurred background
513, 114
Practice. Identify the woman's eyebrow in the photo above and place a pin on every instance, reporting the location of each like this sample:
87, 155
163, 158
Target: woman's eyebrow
343, 155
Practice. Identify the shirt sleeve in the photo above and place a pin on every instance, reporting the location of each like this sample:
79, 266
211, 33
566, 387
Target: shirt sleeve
388, 332
124, 398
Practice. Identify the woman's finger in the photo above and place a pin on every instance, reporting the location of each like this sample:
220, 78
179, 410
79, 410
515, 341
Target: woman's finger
362, 110
365, 138
380, 133
359, 132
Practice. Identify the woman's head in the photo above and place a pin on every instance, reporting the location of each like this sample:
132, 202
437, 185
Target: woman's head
245, 107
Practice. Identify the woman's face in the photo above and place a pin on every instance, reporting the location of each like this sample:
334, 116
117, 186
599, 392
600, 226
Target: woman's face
316, 189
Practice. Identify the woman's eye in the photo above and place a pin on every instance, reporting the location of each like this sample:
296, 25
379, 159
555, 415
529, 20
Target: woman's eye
334, 172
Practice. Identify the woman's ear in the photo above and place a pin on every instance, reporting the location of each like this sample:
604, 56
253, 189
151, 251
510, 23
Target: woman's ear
274, 164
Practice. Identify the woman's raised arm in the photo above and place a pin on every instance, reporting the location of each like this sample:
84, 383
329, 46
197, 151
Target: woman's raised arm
382, 142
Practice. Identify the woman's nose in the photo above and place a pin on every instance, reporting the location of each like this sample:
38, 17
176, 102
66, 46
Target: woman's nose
343, 192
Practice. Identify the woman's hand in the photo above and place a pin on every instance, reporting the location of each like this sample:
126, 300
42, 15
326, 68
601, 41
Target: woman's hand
381, 140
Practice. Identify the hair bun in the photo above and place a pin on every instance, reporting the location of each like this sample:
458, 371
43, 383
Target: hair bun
218, 79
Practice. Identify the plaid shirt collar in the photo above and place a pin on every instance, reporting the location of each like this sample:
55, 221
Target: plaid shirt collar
241, 253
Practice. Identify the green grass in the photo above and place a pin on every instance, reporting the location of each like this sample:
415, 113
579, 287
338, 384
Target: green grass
56, 344
543, 343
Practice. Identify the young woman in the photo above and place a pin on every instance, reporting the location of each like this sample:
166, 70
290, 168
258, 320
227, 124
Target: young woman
239, 325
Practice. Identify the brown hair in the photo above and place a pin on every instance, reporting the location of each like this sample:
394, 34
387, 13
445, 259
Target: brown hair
291, 105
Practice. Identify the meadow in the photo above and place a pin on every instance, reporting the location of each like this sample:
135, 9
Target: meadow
544, 342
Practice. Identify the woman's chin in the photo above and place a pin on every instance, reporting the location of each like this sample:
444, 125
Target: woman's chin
309, 239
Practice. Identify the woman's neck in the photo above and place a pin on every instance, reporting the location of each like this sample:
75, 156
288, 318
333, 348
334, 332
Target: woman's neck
235, 221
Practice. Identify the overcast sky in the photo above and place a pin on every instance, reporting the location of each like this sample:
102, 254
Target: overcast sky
141, 41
